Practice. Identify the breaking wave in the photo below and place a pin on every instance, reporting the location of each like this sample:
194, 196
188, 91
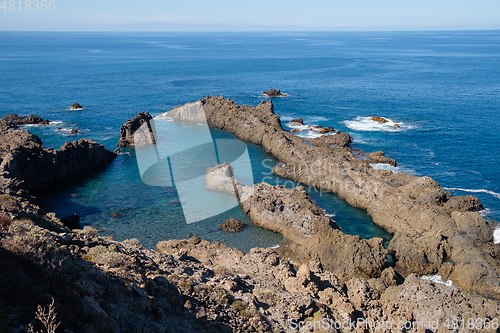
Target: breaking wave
366, 124
437, 279
496, 195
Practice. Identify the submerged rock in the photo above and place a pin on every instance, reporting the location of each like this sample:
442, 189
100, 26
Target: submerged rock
129, 129
232, 225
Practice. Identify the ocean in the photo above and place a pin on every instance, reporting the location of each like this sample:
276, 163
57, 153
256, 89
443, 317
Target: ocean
442, 88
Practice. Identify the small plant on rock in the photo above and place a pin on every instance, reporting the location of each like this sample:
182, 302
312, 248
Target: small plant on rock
47, 318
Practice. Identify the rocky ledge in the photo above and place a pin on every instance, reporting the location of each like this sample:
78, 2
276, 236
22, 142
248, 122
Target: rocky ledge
27, 167
429, 237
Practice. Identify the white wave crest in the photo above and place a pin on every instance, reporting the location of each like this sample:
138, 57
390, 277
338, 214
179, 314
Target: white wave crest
496, 234
366, 124
275, 246
485, 212
384, 166
496, 195
437, 279
332, 215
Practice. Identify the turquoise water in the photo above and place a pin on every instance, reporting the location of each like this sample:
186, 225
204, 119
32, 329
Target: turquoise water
442, 88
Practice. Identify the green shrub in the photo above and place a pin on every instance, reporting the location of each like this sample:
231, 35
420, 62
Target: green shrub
221, 295
269, 297
102, 255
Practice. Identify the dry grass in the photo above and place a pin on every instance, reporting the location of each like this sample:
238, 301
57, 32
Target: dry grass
103, 255
47, 318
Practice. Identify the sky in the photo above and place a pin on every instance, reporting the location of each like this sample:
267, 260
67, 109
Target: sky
255, 15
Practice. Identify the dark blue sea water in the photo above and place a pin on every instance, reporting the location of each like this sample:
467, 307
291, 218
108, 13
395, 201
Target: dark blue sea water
443, 88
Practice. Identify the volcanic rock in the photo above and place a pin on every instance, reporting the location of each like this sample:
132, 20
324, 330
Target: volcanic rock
409, 207
379, 157
232, 225
468, 203
299, 121
141, 121
14, 119
76, 106
379, 119
274, 93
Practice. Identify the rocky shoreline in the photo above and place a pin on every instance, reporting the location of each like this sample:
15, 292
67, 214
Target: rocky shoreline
431, 233
319, 276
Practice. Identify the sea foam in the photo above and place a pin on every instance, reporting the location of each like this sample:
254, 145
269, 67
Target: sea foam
366, 124
496, 234
384, 166
437, 279
496, 195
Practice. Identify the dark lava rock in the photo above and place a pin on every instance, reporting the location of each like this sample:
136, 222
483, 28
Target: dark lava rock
115, 214
14, 119
232, 225
76, 106
74, 131
71, 221
130, 127
298, 121
274, 93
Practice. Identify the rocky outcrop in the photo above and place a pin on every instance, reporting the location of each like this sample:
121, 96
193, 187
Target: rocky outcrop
310, 293
232, 225
426, 237
379, 119
379, 157
129, 129
341, 140
16, 120
468, 203
76, 106
27, 167
298, 121
309, 235
274, 93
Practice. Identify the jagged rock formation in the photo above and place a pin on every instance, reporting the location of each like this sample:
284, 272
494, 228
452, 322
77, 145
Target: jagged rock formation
274, 93
232, 225
14, 119
309, 235
428, 238
27, 167
129, 129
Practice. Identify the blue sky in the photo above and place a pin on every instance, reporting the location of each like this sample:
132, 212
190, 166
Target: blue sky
257, 15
